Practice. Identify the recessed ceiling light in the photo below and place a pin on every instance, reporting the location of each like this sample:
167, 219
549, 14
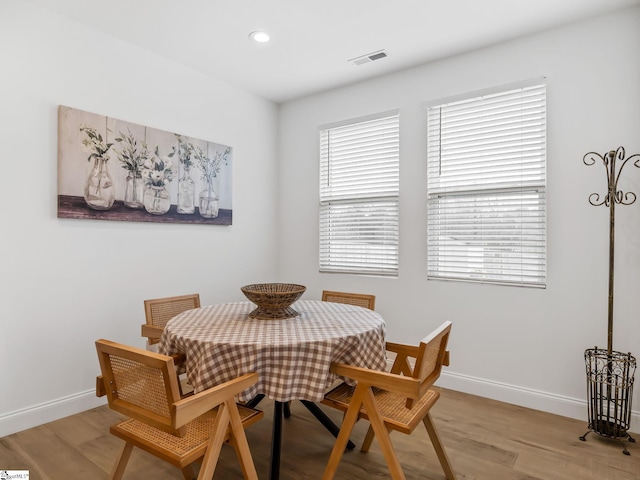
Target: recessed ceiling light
260, 37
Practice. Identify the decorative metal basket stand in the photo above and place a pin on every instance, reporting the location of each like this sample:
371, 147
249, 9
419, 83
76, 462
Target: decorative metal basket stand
610, 374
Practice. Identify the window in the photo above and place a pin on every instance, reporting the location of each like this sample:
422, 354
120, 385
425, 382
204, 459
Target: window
359, 177
486, 176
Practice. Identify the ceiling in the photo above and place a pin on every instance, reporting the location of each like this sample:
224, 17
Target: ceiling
313, 41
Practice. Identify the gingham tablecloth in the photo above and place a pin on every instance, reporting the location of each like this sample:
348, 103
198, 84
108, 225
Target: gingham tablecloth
292, 356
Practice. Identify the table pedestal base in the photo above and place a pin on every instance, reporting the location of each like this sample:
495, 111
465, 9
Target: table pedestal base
276, 441
281, 409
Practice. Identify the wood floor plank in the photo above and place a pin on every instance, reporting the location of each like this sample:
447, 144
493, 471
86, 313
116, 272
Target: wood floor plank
12, 457
54, 457
485, 440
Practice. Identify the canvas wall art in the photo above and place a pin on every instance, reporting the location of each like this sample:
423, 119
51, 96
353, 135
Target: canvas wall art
110, 169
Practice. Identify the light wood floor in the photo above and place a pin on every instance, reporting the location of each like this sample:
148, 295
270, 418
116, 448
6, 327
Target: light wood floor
485, 440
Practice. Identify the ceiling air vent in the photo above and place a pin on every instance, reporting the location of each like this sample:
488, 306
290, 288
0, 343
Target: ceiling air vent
369, 57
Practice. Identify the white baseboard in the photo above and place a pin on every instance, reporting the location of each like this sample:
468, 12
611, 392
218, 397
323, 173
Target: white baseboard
524, 397
35, 415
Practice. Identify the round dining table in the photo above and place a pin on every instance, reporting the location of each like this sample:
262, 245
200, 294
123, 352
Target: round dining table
292, 356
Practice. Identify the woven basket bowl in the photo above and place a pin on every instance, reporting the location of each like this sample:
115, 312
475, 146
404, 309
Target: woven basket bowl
273, 299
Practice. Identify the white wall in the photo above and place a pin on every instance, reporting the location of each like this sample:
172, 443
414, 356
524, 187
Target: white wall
66, 283
520, 345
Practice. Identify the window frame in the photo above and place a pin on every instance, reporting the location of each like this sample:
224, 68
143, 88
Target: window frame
364, 242
443, 185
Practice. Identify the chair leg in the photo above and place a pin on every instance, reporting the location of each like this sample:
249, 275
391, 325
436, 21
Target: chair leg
384, 441
368, 440
239, 442
188, 473
121, 464
349, 420
218, 437
437, 445
325, 421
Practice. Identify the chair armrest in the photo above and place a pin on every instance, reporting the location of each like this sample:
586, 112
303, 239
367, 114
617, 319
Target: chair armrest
192, 407
401, 363
406, 386
151, 331
178, 358
401, 349
101, 390
154, 333
411, 351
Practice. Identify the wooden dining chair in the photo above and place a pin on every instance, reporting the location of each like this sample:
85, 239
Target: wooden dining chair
158, 311
142, 385
359, 299
396, 400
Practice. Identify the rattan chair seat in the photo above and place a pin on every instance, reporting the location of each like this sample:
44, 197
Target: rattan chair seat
179, 451
392, 406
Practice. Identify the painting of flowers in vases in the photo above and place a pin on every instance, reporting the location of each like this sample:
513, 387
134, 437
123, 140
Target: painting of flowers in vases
110, 169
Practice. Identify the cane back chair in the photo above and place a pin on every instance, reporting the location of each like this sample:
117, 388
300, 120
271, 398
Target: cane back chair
143, 386
396, 400
359, 299
158, 311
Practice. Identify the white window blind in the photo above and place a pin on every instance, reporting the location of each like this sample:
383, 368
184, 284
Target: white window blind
486, 162
359, 182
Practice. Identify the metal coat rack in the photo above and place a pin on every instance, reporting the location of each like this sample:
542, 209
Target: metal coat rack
610, 374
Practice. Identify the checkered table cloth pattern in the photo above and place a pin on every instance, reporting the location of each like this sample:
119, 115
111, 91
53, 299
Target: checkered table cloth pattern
292, 356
